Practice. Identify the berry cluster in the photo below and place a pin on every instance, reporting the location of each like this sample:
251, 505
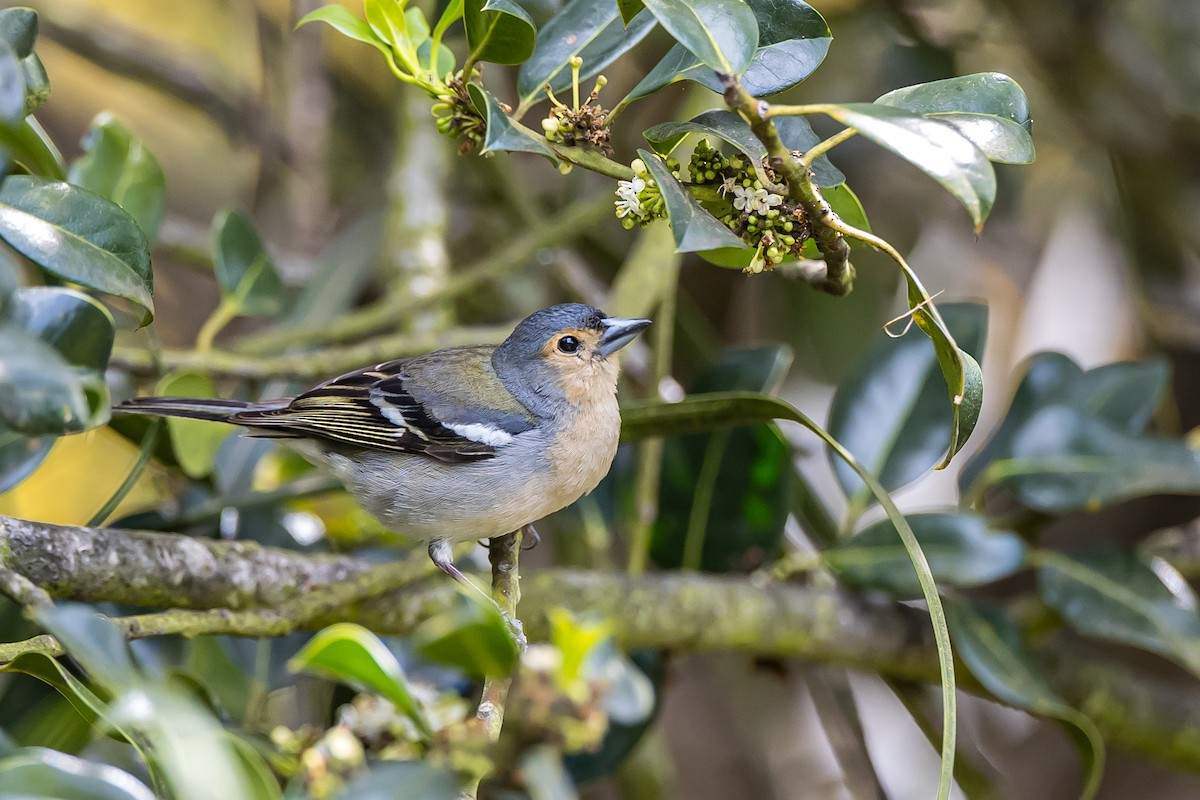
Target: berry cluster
771, 223
457, 116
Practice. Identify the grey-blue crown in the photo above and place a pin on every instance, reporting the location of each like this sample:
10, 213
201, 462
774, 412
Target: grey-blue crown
532, 333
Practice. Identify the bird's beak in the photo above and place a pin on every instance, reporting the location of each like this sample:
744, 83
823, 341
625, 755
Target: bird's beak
619, 332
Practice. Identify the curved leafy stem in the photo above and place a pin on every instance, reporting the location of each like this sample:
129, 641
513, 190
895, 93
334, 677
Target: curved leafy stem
703, 412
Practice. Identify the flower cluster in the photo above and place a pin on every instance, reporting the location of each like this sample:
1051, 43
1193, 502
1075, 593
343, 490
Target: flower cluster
772, 224
584, 124
639, 201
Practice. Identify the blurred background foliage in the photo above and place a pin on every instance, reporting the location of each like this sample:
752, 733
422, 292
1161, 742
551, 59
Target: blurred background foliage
298, 150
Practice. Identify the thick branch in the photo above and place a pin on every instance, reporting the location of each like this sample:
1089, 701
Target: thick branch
839, 273
674, 611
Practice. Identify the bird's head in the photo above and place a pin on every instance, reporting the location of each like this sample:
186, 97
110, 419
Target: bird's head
565, 352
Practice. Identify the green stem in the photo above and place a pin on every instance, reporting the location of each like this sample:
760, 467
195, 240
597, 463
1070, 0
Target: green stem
225, 313
149, 440
795, 111
821, 148
592, 160
702, 499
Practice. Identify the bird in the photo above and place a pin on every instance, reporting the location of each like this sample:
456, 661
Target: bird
459, 444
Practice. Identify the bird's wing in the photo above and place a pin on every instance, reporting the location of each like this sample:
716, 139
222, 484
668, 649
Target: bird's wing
395, 406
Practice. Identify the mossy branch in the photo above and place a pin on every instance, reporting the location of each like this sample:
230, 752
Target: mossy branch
243, 588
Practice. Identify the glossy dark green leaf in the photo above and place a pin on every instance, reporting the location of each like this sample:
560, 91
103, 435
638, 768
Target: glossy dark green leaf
724, 125
503, 132
935, 147
1118, 596
721, 34
353, 655
245, 271
420, 780
471, 636
961, 549
12, 87
793, 40
593, 31
499, 31
723, 498
1072, 440
40, 393
19, 30
195, 442
35, 773
989, 643
990, 109
694, 228
78, 236
892, 412
74, 324
28, 145
117, 165
797, 134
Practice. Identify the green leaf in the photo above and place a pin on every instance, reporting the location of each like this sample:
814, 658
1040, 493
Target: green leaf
244, 269
705, 412
450, 15
724, 496
116, 165
12, 87
19, 30
797, 134
1118, 596
793, 41
503, 132
593, 31
78, 236
629, 9
1072, 439
693, 227
35, 772
353, 655
345, 23
37, 83
988, 108
74, 324
935, 147
724, 125
40, 393
388, 780
989, 643
499, 31
892, 412
20, 456
195, 442
722, 34
29, 146
94, 642
471, 636
961, 549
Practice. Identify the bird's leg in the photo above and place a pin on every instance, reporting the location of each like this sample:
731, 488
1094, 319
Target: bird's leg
530, 538
442, 555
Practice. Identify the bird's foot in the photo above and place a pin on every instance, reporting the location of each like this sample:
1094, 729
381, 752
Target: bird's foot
530, 538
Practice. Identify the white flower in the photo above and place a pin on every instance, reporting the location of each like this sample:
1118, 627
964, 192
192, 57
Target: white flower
743, 198
628, 203
728, 185
765, 201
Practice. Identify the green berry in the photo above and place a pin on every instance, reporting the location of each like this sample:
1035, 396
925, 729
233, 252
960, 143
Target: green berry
787, 226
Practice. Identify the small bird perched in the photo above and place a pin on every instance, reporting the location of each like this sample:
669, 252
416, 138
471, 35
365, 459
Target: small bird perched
458, 444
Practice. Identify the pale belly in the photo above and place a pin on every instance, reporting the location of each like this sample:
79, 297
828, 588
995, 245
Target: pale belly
425, 498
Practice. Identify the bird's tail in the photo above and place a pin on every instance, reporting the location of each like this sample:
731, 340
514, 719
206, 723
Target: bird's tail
190, 407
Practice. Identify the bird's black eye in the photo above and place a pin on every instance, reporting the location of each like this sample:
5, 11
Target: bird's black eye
568, 344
